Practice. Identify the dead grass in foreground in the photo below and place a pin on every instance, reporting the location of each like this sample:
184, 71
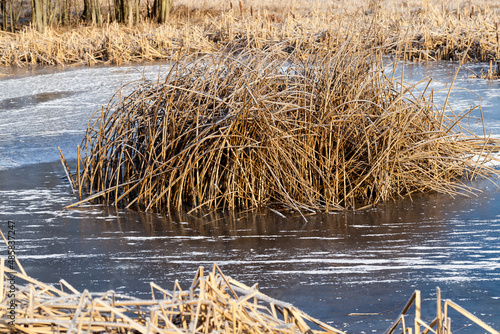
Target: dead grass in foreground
425, 31
214, 303
306, 131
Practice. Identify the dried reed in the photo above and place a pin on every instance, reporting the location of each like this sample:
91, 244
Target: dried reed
213, 303
300, 130
492, 73
437, 31
441, 323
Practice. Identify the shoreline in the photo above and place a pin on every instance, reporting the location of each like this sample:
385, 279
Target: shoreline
420, 32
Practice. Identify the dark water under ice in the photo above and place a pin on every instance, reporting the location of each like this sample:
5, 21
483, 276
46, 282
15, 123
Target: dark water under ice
331, 266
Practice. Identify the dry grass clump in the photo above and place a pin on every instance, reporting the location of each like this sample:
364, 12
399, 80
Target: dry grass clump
301, 130
214, 303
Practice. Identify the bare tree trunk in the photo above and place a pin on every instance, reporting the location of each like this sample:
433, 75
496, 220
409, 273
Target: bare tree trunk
86, 14
65, 12
40, 13
37, 17
127, 11
92, 11
130, 12
97, 14
45, 12
3, 8
119, 10
13, 15
136, 11
161, 9
10, 10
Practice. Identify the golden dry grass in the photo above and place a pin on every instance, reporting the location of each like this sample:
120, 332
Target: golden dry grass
306, 130
214, 303
426, 31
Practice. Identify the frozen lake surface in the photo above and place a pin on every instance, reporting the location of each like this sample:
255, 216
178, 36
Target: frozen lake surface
333, 265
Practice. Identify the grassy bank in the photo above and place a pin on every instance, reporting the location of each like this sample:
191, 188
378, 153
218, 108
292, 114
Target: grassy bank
306, 130
424, 31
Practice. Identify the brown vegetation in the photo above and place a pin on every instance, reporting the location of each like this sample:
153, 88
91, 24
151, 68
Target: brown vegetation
307, 130
441, 30
441, 323
214, 303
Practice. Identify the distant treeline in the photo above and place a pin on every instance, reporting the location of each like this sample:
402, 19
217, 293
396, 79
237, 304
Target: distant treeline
43, 13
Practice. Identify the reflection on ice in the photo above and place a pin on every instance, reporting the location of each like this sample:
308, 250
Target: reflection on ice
32, 100
333, 265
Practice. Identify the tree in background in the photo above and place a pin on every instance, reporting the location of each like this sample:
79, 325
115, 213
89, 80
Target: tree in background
127, 11
3, 8
91, 11
39, 16
10, 14
65, 12
161, 9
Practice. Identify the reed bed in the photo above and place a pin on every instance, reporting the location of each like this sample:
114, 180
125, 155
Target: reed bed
110, 44
214, 303
438, 31
300, 130
440, 34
